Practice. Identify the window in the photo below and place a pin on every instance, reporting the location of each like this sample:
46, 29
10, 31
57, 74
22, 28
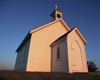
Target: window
25, 52
17, 58
58, 15
58, 53
20, 57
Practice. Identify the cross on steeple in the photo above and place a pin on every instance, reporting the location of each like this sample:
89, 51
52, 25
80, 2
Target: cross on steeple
56, 14
55, 6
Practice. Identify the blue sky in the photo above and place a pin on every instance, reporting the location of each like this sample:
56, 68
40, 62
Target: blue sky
17, 17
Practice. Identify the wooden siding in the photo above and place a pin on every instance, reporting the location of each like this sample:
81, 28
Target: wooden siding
76, 51
22, 65
60, 65
39, 58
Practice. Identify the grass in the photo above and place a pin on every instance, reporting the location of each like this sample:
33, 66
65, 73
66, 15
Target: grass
14, 75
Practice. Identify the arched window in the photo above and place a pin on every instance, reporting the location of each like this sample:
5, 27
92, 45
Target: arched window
58, 53
58, 15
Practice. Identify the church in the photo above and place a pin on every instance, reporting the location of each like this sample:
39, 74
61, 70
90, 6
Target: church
52, 47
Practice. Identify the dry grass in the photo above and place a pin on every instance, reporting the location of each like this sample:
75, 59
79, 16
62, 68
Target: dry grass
14, 75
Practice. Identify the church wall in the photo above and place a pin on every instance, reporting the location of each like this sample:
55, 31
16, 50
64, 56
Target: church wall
76, 53
60, 65
22, 65
39, 58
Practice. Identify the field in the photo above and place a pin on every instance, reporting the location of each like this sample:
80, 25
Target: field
14, 75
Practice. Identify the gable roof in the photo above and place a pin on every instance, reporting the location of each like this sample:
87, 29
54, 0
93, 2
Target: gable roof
42, 27
66, 34
50, 23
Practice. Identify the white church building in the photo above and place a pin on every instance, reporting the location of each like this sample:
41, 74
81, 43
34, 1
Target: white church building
52, 47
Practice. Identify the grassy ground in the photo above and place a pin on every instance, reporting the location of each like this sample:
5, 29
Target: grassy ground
13, 75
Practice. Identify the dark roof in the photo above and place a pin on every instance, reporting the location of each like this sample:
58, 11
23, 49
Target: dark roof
54, 12
64, 35
59, 10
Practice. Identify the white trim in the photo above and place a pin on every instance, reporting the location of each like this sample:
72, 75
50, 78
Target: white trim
81, 36
51, 58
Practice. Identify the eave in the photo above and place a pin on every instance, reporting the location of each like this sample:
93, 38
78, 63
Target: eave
80, 35
24, 41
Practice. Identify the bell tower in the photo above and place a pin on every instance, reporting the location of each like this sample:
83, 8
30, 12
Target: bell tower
56, 14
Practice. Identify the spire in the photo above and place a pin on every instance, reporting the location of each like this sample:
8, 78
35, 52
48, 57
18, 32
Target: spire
56, 14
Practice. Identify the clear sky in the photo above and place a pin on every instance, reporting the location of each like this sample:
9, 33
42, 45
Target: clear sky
17, 17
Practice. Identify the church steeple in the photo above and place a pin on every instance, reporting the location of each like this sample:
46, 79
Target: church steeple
56, 14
